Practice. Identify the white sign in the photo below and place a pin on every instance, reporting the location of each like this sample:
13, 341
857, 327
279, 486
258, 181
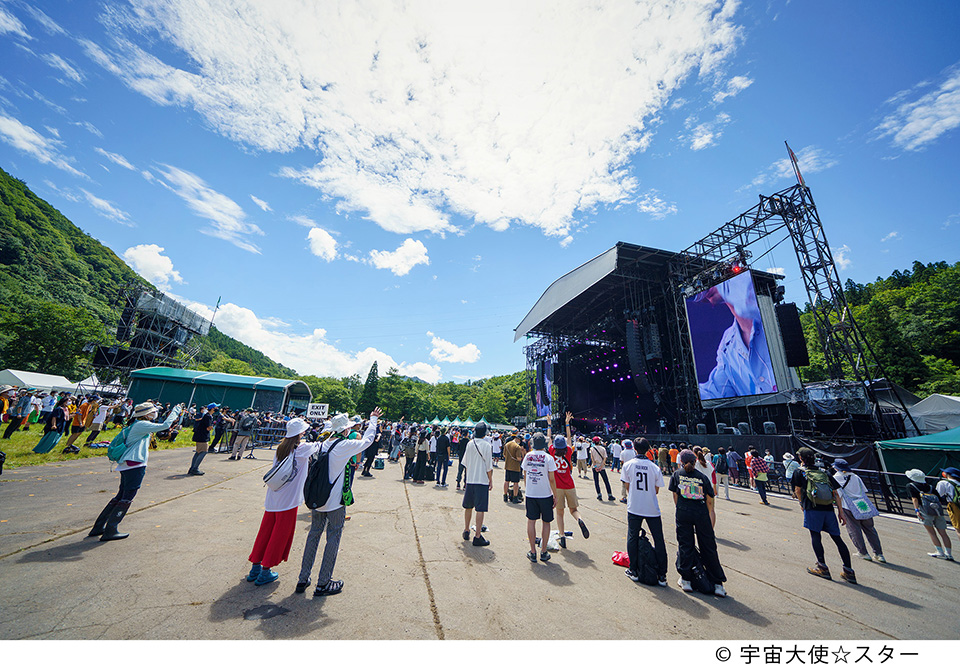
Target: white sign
317, 411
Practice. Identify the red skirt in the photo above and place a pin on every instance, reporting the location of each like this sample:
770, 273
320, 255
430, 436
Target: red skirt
275, 538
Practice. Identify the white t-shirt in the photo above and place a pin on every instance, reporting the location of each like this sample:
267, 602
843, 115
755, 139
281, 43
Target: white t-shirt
628, 455
642, 477
478, 458
338, 461
581, 452
496, 445
707, 470
433, 444
290, 495
615, 450
538, 465
102, 414
947, 490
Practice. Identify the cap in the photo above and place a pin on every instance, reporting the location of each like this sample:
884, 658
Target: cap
687, 457
596, 439
841, 464
953, 472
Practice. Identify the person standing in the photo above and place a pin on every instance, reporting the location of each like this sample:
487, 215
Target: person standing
643, 480
541, 487
858, 512
221, 422
566, 489
926, 503
201, 436
627, 454
674, 455
733, 465
246, 428
513, 455
817, 493
949, 490
409, 445
693, 496
496, 448
442, 458
722, 470
132, 466
275, 536
461, 446
18, 413
340, 446
759, 470
478, 458
53, 426
598, 462
615, 449
663, 458
581, 451
423, 450
47, 403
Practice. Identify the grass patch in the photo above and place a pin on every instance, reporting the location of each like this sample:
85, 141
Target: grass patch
19, 447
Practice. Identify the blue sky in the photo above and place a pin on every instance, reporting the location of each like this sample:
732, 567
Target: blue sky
364, 180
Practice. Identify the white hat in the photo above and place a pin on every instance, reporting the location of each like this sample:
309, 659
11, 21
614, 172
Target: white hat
916, 475
6, 388
788, 456
144, 409
341, 422
296, 426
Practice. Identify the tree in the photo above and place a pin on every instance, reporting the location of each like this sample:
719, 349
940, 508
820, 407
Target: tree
331, 392
370, 396
49, 338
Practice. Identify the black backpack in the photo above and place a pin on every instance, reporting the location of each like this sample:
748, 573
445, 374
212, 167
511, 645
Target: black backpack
646, 566
700, 582
316, 490
722, 467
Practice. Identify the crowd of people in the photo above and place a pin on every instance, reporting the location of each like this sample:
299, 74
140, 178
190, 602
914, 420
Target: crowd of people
538, 472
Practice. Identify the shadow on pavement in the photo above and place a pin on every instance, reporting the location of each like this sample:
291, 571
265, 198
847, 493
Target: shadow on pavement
480, 554
886, 597
179, 476
64, 553
303, 614
906, 570
551, 572
738, 610
677, 599
733, 545
576, 558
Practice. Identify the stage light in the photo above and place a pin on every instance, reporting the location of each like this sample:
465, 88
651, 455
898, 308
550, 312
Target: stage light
592, 371
614, 366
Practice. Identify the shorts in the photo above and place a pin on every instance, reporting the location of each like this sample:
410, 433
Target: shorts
512, 476
77, 429
567, 498
540, 508
476, 497
581, 464
938, 521
822, 521
202, 447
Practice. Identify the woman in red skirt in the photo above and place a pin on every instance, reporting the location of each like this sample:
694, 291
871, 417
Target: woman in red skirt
275, 538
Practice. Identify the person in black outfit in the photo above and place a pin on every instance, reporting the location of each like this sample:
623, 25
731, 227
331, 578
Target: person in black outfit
371, 453
201, 436
420, 469
693, 495
459, 449
441, 458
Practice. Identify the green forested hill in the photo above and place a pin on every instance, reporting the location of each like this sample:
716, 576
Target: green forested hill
57, 286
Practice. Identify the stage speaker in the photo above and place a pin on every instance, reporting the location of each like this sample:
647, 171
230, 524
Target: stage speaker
770, 428
638, 365
744, 428
791, 332
682, 429
721, 428
701, 429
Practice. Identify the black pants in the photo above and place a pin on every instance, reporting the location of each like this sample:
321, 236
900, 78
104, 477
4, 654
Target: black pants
596, 481
694, 530
441, 467
420, 470
368, 462
461, 470
408, 467
761, 489
817, 541
13, 426
655, 526
217, 437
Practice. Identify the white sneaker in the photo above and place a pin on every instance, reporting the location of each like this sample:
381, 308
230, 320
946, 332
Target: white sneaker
879, 558
865, 556
719, 590
937, 554
685, 585
630, 575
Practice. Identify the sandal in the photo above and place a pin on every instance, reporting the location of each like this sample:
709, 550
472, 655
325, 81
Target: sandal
332, 588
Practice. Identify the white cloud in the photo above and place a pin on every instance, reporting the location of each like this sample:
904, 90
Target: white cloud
916, 124
656, 207
565, 242
263, 205
523, 112
28, 140
63, 193
403, 259
706, 134
308, 354
118, 159
735, 86
894, 235
228, 219
89, 127
302, 220
10, 23
65, 67
322, 244
776, 270
48, 23
841, 257
447, 351
811, 160
107, 209
150, 263
53, 131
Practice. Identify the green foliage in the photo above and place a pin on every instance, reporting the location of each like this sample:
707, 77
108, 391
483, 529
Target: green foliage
911, 319
331, 391
371, 393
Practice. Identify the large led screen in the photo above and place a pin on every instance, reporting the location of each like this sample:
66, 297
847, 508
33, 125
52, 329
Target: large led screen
543, 390
729, 344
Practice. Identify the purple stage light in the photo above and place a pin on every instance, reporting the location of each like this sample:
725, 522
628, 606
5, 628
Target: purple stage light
615, 366
592, 371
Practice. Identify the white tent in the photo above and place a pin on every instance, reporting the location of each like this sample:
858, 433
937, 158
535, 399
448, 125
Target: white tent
937, 412
45, 382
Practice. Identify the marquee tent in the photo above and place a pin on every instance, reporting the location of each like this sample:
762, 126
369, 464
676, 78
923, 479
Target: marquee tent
938, 412
928, 453
40, 381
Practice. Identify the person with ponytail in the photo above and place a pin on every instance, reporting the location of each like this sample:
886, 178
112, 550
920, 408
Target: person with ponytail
693, 495
275, 537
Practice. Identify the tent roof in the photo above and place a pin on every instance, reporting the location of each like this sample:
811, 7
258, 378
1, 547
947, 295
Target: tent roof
943, 440
936, 403
212, 378
44, 381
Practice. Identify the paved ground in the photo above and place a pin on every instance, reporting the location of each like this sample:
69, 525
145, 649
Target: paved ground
408, 574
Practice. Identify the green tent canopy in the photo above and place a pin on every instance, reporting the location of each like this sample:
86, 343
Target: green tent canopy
929, 453
469, 423
435, 420
457, 422
445, 421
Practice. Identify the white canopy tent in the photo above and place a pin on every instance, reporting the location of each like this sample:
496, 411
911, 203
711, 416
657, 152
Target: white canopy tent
938, 412
40, 381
